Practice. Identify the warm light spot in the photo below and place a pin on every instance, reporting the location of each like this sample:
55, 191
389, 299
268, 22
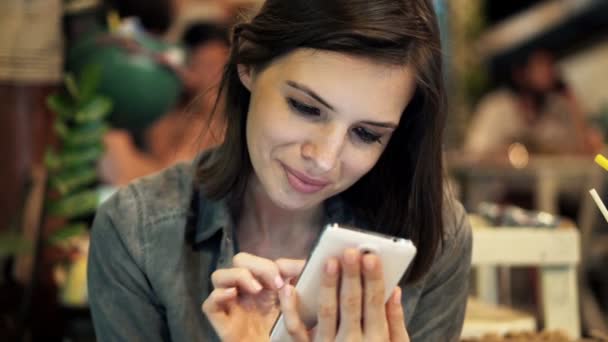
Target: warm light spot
518, 155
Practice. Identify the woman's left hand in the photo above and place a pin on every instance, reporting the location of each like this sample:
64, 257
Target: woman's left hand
359, 304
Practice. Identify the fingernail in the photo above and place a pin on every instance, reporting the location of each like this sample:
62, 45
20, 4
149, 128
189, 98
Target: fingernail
257, 287
278, 281
331, 267
231, 291
369, 262
397, 296
350, 256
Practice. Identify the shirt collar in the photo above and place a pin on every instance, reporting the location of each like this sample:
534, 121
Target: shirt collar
214, 216
210, 216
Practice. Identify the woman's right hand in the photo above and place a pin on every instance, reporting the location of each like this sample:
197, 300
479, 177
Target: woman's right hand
244, 304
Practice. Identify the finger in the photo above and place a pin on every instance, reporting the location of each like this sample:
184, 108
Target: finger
263, 269
373, 296
291, 318
215, 306
290, 268
327, 319
236, 277
313, 332
350, 292
396, 318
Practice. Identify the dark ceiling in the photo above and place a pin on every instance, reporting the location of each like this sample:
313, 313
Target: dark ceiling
496, 11
587, 27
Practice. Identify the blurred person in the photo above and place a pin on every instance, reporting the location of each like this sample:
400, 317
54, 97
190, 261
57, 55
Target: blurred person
208, 45
225, 12
538, 110
185, 131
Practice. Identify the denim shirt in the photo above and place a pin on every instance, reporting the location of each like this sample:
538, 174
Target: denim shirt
155, 243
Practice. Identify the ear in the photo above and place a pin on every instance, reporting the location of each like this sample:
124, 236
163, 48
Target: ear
245, 75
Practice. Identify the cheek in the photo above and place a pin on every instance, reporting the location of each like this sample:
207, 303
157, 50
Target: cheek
272, 123
269, 125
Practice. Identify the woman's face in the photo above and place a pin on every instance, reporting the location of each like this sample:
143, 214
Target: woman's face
318, 121
540, 71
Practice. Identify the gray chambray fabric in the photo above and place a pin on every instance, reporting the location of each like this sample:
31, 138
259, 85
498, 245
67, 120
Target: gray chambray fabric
151, 259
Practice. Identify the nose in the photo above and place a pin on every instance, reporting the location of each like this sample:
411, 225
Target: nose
325, 149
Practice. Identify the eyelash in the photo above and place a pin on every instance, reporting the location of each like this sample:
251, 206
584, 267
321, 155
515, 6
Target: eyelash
302, 108
363, 134
366, 136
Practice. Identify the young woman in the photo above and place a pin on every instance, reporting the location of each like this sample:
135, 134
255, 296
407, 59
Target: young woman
335, 113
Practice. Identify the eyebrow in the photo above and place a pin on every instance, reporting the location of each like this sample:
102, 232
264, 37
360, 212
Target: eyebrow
380, 124
310, 93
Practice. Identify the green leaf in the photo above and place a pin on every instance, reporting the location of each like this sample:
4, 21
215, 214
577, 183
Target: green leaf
60, 128
75, 205
12, 243
51, 159
95, 110
89, 80
66, 233
71, 180
72, 87
60, 105
86, 135
77, 157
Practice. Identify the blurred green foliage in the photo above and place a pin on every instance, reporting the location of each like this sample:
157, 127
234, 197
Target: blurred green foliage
72, 167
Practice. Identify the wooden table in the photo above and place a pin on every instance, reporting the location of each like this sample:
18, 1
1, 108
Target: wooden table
545, 176
556, 251
483, 318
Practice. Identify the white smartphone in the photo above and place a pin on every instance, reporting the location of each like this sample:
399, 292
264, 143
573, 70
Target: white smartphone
396, 254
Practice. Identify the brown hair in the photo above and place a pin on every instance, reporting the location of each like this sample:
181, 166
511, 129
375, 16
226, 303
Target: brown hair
403, 193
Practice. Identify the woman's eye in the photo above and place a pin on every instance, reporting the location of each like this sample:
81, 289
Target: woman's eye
302, 108
366, 136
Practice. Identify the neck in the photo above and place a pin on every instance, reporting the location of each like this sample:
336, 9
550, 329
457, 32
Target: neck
265, 227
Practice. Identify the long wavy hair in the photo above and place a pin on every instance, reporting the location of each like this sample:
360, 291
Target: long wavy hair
402, 195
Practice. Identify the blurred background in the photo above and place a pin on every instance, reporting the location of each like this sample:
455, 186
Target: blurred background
96, 93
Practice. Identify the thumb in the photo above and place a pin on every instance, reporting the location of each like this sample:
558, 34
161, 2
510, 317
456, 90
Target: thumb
215, 307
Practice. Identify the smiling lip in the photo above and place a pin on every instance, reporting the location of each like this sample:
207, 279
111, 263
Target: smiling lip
303, 183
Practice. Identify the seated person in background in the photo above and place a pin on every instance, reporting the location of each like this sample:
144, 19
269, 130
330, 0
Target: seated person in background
190, 128
539, 111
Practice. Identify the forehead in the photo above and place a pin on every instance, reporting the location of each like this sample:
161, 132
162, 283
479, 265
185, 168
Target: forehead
355, 85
